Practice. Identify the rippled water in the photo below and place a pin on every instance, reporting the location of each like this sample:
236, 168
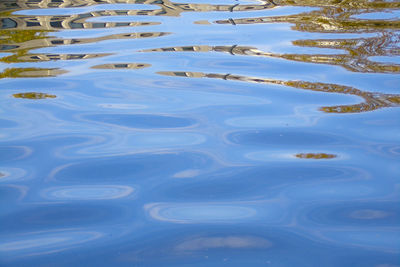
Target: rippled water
200, 133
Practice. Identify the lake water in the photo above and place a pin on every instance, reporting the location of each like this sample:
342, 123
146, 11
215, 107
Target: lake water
200, 133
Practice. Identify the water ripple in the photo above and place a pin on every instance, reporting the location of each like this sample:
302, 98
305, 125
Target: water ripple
199, 133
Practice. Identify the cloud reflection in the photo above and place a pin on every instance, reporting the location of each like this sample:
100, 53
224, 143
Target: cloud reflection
88, 192
199, 213
217, 212
47, 242
232, 242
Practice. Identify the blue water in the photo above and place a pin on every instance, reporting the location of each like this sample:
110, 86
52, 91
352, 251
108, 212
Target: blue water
199, 133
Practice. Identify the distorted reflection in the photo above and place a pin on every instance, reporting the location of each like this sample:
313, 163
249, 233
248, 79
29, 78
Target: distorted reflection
372, 100
30, 72
48, 57
129, 167
21, 33
356, 59
165, 7
53, 23
20, 42
315, 156
368, 214
336, 17
88, 192
332, 16
48, 241
199, 213
33, 95
122, 66
233, 242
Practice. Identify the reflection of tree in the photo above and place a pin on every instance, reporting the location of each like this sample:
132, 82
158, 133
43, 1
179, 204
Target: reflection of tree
33, 95
372, 101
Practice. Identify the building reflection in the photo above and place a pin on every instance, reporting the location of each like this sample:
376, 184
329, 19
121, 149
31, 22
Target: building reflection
122, 66
30, 72
48, 57
356, 60
340, 17
372, 101
21, 33
165, 7
20, 42
332, 16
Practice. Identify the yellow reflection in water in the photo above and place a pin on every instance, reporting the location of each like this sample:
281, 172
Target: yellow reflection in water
33, 95
30, 72
372, 101
315, 156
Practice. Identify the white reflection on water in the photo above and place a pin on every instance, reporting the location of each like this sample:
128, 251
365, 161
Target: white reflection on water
88, 192
12, 174
368, 214
187, 173
333, 191
197, 213
43, 242
204, 243
387, 240
272, 121
269, 212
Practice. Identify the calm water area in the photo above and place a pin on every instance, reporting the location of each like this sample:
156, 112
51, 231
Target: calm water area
200, 133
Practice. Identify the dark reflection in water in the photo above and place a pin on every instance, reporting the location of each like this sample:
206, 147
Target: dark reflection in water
287, 156
372, 101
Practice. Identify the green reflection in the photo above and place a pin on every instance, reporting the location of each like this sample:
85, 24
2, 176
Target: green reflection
372, 101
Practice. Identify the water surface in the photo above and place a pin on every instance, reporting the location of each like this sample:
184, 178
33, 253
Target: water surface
199, 133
